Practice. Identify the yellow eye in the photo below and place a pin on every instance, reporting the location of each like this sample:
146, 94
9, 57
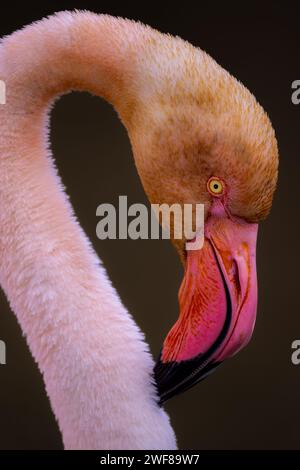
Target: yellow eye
215, 186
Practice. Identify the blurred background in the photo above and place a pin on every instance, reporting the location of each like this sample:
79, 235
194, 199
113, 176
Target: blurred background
252, 401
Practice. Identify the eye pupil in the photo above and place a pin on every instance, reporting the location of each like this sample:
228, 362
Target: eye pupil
215, 186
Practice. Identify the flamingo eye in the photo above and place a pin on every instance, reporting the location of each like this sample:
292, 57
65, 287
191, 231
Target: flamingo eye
215, 186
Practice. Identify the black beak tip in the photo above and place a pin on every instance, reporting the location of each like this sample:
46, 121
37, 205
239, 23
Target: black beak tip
172, 378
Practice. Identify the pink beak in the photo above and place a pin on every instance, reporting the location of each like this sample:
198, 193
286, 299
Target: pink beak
218, 299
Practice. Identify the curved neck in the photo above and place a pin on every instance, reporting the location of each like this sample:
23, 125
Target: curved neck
95, 364
82, 51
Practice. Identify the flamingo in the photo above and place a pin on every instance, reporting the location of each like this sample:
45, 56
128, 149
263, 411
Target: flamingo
198, 136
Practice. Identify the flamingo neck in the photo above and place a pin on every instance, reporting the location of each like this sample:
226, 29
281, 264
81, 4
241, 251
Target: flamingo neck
95, 364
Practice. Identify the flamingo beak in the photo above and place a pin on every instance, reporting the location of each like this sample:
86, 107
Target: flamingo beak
217, 298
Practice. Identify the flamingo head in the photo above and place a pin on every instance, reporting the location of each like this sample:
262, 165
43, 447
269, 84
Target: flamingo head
200, 137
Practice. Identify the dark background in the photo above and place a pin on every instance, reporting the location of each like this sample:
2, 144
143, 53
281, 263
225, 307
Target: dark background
252, 401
